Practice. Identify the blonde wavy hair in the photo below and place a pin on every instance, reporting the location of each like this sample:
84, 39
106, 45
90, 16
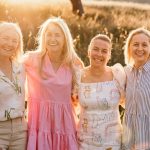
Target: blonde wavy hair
4, 27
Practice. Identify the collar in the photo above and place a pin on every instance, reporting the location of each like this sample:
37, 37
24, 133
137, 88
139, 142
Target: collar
145, 67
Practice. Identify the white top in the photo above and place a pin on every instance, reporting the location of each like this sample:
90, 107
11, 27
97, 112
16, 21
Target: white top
12, 93
100, 127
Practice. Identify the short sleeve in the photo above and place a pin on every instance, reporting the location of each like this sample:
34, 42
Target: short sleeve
31, 60
27, 59
120, 77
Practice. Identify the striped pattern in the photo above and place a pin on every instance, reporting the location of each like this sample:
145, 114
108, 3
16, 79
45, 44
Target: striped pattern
137, 112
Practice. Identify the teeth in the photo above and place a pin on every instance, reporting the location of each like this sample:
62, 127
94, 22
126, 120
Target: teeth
7, 49
139, 53
53, 44
99, 60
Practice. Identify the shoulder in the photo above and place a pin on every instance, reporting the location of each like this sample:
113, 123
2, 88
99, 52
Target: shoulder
84, 74
128, 68
118, 70
78, 63
119, 74
18, 66
19, 70
30, 58
84, 71
80, 74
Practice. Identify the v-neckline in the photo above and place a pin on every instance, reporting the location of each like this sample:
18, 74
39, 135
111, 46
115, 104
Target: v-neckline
49, 63
4, 75
55, 71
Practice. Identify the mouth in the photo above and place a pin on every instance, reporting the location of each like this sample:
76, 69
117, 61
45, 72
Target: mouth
52, 44
99, 59
139, 54
8, 50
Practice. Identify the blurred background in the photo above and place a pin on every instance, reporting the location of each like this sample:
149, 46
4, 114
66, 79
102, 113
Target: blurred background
113, 18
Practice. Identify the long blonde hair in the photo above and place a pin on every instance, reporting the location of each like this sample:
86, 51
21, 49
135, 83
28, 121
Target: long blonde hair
69, 55
128, 58
4, 26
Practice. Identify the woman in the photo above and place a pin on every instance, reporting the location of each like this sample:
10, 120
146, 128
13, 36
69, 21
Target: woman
137, 112
100, 91
50, 78
13, 127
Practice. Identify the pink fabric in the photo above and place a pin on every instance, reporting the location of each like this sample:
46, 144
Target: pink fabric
51, 122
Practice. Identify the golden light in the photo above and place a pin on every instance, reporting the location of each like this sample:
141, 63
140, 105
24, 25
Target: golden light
35, 1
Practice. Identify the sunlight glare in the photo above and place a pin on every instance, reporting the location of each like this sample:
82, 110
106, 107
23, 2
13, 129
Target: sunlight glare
35, 1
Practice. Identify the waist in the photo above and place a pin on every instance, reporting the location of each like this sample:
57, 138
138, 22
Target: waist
17, 119
18, 123
49, 100
11, 114
105, 116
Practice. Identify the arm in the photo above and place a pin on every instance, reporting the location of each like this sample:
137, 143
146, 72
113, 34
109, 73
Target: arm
120, 78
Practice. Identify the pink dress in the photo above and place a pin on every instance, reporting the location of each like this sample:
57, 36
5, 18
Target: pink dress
51, 124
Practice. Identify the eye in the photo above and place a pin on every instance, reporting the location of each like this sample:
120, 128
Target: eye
5, 38
144, 45
14, 41
95, 49
57, 35
136, 44
49, 34
105, 51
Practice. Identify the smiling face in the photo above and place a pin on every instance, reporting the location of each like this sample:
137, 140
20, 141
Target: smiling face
9, 42
99, 52
139, 48
54, 39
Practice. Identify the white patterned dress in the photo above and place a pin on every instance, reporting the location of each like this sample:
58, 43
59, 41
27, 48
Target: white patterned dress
99, 127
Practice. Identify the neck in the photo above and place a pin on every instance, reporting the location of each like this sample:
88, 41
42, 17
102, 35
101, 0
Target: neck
97, 71
55, 58
4, 59
139, 64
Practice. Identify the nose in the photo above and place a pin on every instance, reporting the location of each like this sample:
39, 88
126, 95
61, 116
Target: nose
140, 47
53, 38
99, 53
10, 43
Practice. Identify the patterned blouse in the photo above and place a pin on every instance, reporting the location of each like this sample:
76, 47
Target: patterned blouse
12, 93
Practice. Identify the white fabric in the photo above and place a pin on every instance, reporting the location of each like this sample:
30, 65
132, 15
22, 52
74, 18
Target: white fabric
99, 126
12, 93
120, 77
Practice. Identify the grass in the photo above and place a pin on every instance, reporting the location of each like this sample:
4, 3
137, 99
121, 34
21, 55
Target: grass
114, 19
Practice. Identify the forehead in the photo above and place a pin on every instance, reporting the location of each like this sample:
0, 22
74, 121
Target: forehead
10, 32
140, 37
53, 27
100, 43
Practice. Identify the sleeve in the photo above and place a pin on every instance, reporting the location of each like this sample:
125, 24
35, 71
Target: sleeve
27, 63
27, 59
120, 77
31, 60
